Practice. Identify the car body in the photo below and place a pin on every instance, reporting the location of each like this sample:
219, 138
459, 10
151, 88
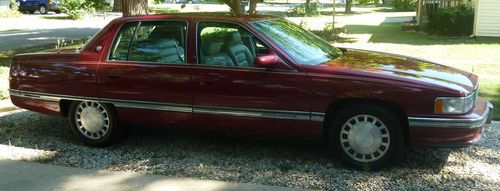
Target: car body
43, 6
252, 74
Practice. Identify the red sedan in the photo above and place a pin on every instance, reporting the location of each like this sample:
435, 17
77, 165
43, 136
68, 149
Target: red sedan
253, 74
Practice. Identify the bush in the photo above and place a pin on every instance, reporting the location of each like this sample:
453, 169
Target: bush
13, 10
455, 21
14, 5
74, 8
405, 5
300, 10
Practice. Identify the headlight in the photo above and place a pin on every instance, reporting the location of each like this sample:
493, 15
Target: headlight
454, 105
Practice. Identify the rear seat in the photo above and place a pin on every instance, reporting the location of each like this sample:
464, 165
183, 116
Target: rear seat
163, 51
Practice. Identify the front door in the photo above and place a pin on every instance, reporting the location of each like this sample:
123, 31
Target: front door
146, 76
231, 94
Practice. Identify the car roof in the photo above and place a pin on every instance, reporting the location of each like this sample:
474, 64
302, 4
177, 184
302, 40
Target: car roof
204, 15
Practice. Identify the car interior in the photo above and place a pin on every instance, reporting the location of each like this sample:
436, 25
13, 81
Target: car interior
161, 42
228, 45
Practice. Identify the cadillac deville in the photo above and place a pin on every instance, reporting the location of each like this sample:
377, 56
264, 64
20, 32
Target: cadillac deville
251, 74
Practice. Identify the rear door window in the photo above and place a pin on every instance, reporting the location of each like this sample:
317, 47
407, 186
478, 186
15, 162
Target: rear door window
151, 41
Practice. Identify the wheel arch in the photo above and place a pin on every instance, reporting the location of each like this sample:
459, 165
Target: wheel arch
346, 102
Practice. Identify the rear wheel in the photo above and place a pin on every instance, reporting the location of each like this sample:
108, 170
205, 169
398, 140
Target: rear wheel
94, 123
365, 137
43, 9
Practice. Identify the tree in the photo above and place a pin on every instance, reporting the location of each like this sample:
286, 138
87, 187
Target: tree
234, 5
348, 6
253, 6
117, 6
134, 7
308, 5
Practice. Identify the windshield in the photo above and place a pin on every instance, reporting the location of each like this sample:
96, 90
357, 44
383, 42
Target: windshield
301, 45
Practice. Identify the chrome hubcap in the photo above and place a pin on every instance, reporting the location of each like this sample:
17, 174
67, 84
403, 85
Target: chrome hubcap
365, 138
42, 10
92, 119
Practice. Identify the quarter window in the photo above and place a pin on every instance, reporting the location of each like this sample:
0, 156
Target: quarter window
151, 41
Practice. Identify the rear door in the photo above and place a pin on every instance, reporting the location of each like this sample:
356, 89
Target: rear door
146, 76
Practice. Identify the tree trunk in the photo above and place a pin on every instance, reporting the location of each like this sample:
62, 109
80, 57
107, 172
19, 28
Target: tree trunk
308, 10
117, 6
333, 16
134, 7
348, 6
253, 6
234, 5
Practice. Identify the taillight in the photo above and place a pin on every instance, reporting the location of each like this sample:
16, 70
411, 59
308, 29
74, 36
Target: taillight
51, 1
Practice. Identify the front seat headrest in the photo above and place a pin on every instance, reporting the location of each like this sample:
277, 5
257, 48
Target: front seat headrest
233, 38
211, 47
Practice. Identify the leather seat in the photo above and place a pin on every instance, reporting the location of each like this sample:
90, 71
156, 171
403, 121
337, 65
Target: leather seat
240, 53
170, 51
163, 51
213, 56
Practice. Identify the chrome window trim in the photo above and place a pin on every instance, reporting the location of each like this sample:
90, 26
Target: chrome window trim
196, 109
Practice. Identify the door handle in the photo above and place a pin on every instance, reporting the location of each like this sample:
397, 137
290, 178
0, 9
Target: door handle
113, 77
207, 83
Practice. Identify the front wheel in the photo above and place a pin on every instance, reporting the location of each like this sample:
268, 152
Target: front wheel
365, 137
94, 123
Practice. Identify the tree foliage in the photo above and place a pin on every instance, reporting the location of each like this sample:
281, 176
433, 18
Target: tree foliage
74, 8
405, 5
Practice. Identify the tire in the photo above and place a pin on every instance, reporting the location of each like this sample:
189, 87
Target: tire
43, 9
365, 137
103, 127
58, 11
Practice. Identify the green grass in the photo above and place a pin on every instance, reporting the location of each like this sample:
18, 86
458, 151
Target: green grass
464, 53
162, 10
57, 17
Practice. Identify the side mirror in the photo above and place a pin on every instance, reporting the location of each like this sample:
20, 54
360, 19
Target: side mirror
271, 61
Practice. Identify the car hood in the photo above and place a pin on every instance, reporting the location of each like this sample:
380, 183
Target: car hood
401, 68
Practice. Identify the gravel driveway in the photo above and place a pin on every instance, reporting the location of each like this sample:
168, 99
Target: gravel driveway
31, 136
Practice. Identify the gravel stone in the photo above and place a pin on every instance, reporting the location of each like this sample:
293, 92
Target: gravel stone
30, 136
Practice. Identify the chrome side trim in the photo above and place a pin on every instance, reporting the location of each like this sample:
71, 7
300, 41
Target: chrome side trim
449, 122
240, 112
150, 105
316, 116
258, 113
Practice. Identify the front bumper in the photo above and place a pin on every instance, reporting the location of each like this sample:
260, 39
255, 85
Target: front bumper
451, 132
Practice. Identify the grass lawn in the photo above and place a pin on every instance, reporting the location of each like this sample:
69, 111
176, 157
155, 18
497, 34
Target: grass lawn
465, 53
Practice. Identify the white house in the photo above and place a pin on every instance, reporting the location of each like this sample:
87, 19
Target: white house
487, 18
